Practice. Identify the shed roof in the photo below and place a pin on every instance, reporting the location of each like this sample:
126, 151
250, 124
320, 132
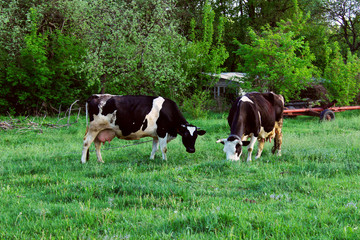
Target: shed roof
232, 76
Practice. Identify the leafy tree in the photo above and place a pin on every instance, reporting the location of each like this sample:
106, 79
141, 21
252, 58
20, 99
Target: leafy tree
241, 15
207, 53
342, 78
186, 11
344, 17
12, 32
30, 75
262, 13
134, 48
41, 66
278, 59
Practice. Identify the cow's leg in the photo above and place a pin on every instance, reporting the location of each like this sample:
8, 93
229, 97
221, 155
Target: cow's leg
155, 147
163, 147
88, 139
278, 138
251, 147
260, 147
97, 147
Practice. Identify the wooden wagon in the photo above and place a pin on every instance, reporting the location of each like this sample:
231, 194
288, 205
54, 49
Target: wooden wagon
325, 112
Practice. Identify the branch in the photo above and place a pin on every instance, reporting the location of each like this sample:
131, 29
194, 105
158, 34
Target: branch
28, 125
70, 111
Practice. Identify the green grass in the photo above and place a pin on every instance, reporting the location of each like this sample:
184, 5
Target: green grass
311, 192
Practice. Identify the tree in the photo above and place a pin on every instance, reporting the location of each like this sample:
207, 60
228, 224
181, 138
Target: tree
344, 17
134, 48
207, 52
342, 78
278, 59
242, 14
41, 66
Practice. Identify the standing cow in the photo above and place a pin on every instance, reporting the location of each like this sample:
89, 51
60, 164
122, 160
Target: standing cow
258, 116
135, 117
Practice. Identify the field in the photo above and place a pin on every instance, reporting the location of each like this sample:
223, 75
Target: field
311, 192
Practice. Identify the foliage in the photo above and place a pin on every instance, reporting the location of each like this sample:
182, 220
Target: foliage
346, 15
53, 52
278, 59
206, 52
134, 48
46, 193
342, 77
197, 105
43, 69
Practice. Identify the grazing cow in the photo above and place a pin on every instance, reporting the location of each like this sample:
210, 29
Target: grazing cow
135, 117
258, 116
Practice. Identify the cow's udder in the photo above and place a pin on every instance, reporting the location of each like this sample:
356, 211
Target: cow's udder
106, 135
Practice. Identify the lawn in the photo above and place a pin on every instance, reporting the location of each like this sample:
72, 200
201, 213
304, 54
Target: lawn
311, 192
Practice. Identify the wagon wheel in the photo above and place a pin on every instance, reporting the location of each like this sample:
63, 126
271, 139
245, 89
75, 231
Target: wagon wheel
327, 115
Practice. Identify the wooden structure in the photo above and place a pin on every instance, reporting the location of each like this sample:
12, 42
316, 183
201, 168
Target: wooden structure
226, 79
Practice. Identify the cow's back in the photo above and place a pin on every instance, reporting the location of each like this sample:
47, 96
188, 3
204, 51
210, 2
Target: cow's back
270, 107
130, 112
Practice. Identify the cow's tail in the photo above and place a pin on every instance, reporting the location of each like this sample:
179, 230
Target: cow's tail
87, 114
87, 120
87, 128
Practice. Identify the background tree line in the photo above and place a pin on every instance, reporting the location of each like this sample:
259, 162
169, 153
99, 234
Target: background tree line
53, 52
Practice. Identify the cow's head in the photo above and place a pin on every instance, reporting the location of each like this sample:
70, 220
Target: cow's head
233, 147
189, 133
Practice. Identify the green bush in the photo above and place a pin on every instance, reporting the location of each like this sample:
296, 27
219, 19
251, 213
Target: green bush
197, 105
342, 77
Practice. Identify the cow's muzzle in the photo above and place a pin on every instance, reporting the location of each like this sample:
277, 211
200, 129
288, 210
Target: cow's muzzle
190, 150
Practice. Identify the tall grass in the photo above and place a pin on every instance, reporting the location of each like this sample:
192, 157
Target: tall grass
311, 192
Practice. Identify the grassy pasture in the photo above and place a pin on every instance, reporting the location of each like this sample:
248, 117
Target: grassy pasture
311, 192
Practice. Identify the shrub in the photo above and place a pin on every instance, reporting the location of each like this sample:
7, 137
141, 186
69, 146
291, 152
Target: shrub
197, 105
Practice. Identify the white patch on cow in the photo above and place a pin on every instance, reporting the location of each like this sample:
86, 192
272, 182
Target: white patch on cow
251, 147
259, 117
153, 115
245, 137
246, 99
163, 146
230, 150
104, 98
102, 122
263, 134
279, 97
191, 130
151, 118
155, 147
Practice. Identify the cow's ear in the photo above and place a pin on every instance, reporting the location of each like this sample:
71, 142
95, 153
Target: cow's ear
245, 143
221, 141
201, 132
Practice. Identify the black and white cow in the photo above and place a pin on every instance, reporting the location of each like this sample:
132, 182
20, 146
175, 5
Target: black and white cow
258, 116
135, 117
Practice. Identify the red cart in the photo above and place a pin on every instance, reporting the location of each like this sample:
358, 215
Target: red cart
323, 112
